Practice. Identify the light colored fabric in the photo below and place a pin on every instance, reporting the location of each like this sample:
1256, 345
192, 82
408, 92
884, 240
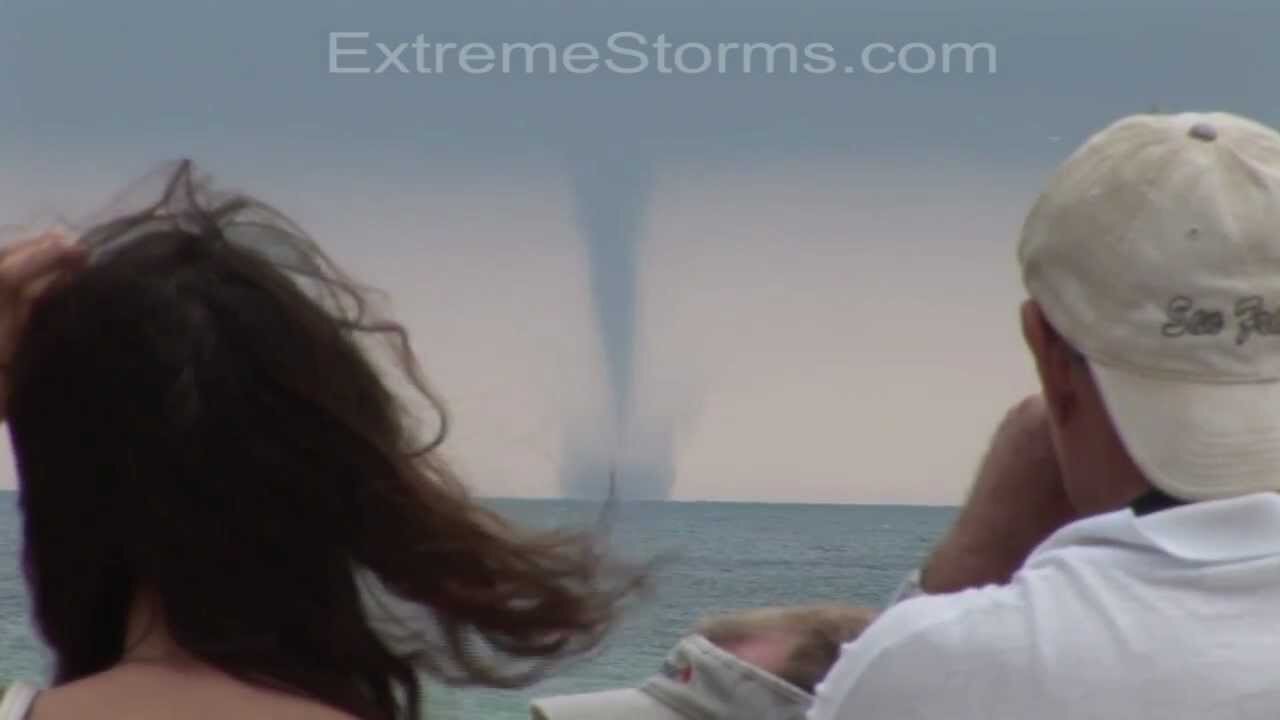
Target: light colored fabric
699, 681
910, 588
1155, 251
17, 701
624, 704
1173, 615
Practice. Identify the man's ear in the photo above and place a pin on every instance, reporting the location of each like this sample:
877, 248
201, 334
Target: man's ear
1055, 362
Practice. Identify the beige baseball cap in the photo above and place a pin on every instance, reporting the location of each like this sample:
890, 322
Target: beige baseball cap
1155, 251
699, 681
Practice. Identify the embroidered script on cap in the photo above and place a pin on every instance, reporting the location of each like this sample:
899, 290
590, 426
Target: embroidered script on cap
1252, 317
1250, 313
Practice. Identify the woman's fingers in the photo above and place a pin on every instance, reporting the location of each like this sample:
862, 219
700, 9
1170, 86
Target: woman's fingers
30, 260
35, 288
28, 242
28, 269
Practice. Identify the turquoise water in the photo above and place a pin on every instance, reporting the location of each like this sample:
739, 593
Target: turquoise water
725, 556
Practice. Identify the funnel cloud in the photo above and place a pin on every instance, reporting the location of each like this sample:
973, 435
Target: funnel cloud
612, 188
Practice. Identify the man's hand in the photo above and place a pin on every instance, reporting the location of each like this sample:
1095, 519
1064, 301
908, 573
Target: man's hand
1017, 501
27, 270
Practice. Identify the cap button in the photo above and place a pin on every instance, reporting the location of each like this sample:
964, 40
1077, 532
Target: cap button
1204, 131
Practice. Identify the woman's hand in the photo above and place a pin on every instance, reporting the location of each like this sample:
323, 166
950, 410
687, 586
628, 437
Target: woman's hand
28, 269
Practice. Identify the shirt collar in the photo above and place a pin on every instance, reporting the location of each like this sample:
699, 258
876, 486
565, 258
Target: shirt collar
1214, 530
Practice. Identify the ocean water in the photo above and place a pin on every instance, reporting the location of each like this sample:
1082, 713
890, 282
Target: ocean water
722, 556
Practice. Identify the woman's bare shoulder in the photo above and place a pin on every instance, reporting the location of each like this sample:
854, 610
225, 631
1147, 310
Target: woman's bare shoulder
161, 693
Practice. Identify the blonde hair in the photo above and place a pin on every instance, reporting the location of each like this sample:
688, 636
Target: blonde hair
818, 632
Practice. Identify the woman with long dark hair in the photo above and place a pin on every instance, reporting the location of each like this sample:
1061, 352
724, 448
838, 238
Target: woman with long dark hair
228, 509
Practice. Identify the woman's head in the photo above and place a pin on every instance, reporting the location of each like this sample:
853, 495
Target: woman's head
196, 417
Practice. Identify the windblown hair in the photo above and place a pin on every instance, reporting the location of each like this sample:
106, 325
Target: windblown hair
198, 416
816, 632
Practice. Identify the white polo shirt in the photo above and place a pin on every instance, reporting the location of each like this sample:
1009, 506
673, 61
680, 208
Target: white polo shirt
1170, 615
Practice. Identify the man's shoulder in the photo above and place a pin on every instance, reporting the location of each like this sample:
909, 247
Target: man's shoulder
929, 630
994, 614
931, 621
928, 649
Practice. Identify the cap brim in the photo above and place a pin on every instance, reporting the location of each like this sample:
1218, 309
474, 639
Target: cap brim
626, 704
1196, 441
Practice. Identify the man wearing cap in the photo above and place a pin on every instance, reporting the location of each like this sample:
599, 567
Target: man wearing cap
1119, 554
755, 664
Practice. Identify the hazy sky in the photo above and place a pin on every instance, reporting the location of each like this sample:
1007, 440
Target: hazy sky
824, 286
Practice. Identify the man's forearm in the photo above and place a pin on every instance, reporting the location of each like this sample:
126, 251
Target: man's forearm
1017, 501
